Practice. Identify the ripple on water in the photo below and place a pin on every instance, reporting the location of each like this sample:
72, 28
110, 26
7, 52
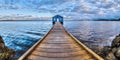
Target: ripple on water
98, 33
21, 35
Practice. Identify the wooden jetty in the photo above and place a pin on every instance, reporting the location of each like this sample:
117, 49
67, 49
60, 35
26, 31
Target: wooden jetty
59, 44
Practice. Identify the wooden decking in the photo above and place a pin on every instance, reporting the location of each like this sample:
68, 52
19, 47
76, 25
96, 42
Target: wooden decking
58, 44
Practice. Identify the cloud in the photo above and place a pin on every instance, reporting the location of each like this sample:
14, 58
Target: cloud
70, 8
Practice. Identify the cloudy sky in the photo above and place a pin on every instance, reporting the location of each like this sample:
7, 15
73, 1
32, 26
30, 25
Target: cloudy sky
81, 9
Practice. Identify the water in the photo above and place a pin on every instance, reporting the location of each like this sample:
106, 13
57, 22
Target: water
94, 33
21, 35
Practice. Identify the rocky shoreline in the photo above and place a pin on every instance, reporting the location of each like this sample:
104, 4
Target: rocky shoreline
5, 52
112, 52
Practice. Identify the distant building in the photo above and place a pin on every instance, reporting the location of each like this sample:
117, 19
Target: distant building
57, 18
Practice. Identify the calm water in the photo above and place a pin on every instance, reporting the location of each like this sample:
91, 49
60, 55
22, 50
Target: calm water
21, 35
94, 33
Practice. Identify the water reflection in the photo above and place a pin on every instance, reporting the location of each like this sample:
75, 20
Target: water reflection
21, 35
94, 33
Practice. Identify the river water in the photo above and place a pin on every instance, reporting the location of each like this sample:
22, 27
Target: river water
21, 35
95, 34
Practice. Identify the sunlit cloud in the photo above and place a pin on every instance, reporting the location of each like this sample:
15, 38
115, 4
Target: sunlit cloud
68, 8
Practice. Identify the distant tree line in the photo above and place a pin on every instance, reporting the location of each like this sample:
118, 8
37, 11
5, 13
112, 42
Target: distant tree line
107, 19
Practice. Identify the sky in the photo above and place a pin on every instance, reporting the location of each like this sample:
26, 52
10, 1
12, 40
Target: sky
74, 9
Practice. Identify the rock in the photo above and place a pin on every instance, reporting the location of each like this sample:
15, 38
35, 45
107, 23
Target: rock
5, 53
110, 56
116, 41
113, 52
115, 47
117, 53
105, 51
